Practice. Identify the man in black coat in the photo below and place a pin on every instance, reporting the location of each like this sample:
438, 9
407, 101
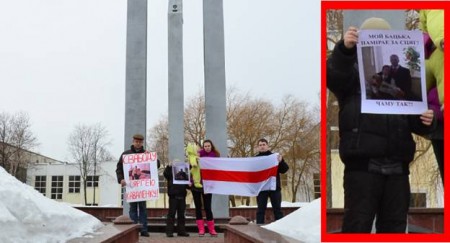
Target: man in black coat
138, 210
275, 196
401, 77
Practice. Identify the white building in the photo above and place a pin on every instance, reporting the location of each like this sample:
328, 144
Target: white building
61, 181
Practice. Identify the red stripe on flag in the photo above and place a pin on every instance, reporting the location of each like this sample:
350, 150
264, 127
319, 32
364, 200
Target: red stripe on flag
238, 176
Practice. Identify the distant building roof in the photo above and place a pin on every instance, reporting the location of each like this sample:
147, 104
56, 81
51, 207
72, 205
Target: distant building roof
42, 159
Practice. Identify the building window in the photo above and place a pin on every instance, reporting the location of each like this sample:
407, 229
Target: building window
92, 181
418, 200
74, 184
40, 183
316, 180
57, 187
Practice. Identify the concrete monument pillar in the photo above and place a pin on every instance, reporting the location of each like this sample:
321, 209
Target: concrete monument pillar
215, 87
136, 74
175, 68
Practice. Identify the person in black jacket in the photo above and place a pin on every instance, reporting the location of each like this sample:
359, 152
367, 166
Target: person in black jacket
376, 149
275, 196
177, 204
138, 210
401, 77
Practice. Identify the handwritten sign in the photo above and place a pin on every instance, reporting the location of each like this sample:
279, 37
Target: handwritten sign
141, 176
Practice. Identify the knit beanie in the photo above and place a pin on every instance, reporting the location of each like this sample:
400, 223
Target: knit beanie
375, 24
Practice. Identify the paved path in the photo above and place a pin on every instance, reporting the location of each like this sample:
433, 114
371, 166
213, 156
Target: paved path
161, 237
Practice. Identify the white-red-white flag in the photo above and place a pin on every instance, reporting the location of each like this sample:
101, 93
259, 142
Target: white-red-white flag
239, 176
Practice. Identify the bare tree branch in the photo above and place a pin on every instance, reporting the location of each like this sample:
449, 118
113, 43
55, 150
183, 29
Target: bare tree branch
88, 145
16, 139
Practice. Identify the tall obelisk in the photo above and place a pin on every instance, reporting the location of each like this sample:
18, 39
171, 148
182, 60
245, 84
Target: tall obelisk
215, 87
136, 74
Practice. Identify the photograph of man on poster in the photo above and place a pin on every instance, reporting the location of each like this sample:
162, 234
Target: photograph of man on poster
392, 82
139, 172
181, 172
391, 71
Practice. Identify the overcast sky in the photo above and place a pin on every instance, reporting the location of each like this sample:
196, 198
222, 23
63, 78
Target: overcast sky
63, 61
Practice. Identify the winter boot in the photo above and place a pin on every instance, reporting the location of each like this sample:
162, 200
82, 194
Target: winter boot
201, 227
169, 227
181, 227
211, 229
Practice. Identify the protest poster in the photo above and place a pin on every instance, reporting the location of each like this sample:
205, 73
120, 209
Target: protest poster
180, 170
392, 72
141, 176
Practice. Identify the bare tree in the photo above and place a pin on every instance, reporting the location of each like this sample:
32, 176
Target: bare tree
16, 140
296, 134
412, 19
194, 119
332, 140
303, 149
5, 140
335, 31
158, 140
424, 163
250, 121
335, 28
88, 145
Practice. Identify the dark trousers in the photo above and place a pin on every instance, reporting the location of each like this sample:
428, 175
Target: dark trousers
138, 213
200, 197
368, 195
275, 200
438, 148
177, 205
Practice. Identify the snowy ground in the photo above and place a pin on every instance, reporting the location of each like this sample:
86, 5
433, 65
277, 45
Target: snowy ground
302, 224
28, 216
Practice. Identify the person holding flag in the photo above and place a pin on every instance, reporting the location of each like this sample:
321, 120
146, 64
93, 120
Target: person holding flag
274, 195
201, 198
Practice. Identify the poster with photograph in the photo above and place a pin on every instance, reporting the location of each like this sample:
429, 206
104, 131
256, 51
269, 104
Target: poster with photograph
180, 170
141, 176
392, 72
